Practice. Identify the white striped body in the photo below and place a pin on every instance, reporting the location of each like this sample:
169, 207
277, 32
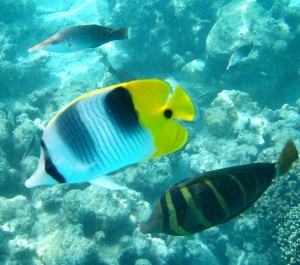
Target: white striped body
95, 144
93, 137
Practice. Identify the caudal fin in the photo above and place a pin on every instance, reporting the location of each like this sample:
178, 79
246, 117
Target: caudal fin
288, 155
181, 105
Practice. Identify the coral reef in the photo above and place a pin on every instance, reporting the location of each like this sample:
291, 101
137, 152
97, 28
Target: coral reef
270, 66
288, 236
245, 115
11, 10
165, 21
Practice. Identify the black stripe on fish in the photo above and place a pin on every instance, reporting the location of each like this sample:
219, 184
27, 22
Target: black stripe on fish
231, 190
180, 205
50, 168
194, 219
211, 209
120, 109
166, 213
259, 176
254, 178
68, 133
84, 130
71, 136
82, 138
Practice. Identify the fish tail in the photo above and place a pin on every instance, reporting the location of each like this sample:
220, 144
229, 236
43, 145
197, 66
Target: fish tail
119, 34
181, 105
288, 155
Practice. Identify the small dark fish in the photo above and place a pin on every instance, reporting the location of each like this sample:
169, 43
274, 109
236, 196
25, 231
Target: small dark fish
80, 37
215, 197
239, 54
120, 75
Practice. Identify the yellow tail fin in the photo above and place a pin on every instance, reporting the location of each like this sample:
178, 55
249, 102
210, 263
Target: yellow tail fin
288, 155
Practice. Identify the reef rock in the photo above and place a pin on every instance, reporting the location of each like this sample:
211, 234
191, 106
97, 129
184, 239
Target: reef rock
270, 61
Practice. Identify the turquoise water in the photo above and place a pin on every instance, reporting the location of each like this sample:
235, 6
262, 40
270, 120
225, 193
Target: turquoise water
244, 115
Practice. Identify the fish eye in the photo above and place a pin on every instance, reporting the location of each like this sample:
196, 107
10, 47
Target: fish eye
168, 113
55, 42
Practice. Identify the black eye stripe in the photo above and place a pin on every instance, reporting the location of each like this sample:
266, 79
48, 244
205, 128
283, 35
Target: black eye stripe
50, 168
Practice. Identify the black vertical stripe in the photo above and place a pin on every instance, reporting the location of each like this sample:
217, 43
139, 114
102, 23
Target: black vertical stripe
165, 213
120, 108
84, 131
50, 168
119, 136
230, 192
74, 140
180, 205
207, 203
70, 137
81, 134
82, 139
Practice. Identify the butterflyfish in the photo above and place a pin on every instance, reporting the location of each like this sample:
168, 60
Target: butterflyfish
80, 37
215, 197
239, 54
110, 128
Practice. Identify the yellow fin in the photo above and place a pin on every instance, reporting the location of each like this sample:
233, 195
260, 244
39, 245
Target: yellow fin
150, 100
149, 95
181, 105
169, 138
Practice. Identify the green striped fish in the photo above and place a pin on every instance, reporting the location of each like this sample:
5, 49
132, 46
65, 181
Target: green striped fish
215, 197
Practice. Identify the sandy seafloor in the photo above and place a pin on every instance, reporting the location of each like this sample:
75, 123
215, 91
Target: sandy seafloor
244, 115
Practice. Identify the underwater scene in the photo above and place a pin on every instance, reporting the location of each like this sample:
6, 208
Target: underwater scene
150, 132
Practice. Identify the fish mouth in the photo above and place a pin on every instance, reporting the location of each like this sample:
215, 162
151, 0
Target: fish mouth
36, 47
145, 229
151, 226
46, 42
